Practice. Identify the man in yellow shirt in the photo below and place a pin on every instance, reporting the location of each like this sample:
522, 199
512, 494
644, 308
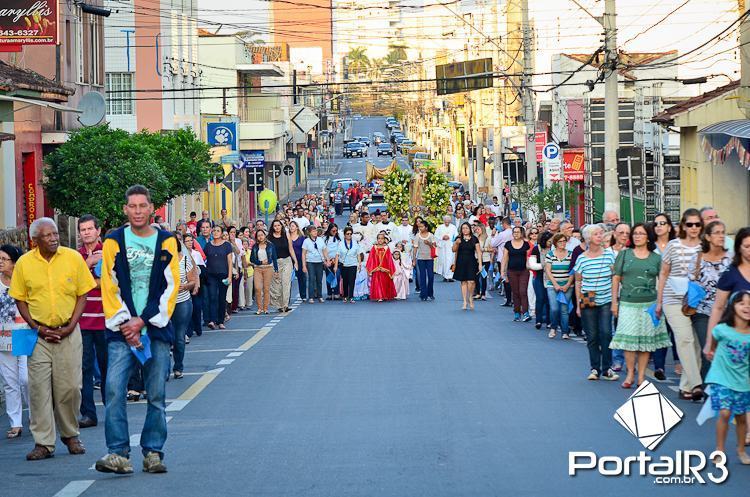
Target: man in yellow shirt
50, 284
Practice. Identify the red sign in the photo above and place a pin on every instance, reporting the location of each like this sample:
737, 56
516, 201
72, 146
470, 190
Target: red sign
29, 22
541, 140
574, 164
30, 189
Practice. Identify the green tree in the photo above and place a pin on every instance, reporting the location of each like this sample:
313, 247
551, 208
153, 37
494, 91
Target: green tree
396, 54
357, 60
90, 173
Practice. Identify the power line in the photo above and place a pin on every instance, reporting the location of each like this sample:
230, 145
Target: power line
657, 22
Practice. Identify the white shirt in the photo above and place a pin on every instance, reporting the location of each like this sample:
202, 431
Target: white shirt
402, 234
499, 241
358, 231
496, 209
389, 228
302, 222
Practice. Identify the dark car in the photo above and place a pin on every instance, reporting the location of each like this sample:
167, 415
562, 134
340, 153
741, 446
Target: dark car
363, 139
385, 149
405, 144
355, 149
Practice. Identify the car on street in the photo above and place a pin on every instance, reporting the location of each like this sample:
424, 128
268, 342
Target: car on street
385, 149
372, 207
396, 129
362, 139
355, 149
357, 116
332, 184
378, 137
456, 185
392, 124
405, 145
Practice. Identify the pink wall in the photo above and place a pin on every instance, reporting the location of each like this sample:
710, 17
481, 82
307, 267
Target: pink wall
148, 112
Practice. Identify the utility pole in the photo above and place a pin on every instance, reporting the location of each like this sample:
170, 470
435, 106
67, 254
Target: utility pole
611, 110
529, 109
497, 134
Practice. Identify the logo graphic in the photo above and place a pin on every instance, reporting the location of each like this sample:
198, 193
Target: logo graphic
648, 415
222, 136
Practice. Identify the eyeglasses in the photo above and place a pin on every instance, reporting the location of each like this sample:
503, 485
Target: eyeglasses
693, 225
661, 223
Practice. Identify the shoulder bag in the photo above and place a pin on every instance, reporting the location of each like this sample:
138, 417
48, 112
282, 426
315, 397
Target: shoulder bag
686, 309
588, 298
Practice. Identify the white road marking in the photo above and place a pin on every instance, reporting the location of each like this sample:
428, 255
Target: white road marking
193, 351
74, 488
177, 405
224, 362
234, 354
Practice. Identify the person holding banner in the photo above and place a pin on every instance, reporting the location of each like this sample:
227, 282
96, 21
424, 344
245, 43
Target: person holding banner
140, 282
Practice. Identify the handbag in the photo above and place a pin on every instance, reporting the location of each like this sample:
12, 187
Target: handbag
588, 300
694, 294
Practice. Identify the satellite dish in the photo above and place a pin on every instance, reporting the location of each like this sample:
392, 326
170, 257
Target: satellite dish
92, 108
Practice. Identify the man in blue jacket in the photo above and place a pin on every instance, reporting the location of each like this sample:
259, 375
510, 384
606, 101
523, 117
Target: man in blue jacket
140, 281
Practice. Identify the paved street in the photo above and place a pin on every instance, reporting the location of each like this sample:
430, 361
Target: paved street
393, 399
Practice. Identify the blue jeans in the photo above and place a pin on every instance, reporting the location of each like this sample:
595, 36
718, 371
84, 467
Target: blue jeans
196, 318
314, 280
660, 355
301, 282
155, 373
181, 318
217, 298
597, 324
94, 352
558, 312
426, 272
542, 306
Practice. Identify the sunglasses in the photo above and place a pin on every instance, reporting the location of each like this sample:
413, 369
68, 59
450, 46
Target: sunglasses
661, 223
693, 225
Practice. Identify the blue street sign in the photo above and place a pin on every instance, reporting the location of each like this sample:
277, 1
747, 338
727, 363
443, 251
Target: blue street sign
551, 151
253, 159
222, 134
233, 158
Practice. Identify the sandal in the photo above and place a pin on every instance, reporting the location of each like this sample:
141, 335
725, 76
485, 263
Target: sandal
686, 395
222, 327
697, 394
14, 433
134, 395
627, 384
212, 326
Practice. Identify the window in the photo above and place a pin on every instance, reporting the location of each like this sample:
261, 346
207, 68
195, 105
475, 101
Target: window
119, 103
79, 45
95, 52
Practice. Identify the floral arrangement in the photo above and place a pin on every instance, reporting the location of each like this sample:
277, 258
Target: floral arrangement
436, 195
396, 192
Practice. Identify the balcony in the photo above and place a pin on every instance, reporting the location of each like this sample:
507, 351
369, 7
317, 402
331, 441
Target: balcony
261, 115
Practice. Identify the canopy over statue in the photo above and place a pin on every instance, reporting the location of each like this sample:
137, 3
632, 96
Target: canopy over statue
379, 173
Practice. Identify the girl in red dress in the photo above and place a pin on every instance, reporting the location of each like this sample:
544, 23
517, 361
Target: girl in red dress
381, 268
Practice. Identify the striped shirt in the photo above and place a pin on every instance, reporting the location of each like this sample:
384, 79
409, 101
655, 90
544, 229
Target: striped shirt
560, 268
186, 264
681, 259
596, 275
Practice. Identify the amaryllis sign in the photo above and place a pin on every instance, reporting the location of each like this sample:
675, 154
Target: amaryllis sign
29, 22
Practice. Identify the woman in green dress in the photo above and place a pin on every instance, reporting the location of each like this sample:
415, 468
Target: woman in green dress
634, 290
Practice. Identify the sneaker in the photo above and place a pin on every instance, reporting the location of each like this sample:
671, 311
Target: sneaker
321, 300
187, 339
311, 301
549, 325
538, 326
516, 317
552, 333
565, 336
594, 375
526, 317
617, 368
611, 375
114, 463
152, 463
659, 375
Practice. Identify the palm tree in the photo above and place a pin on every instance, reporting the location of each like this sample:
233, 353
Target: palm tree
357, 60
396, 54
376, 68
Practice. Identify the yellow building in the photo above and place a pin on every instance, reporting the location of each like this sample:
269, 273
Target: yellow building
714, 153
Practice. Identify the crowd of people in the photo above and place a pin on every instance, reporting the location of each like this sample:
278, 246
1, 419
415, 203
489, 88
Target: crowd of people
126, 304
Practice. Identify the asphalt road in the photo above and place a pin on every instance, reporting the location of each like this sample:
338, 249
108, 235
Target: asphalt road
355, 167
379, 399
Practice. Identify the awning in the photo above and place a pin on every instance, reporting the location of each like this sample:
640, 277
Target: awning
739, 128
41, 103
722, 139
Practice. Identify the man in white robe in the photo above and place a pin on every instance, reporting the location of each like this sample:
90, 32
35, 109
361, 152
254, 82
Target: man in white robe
445, 234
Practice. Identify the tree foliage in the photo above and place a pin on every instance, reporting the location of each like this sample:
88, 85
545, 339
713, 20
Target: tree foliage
90, 173
547, 201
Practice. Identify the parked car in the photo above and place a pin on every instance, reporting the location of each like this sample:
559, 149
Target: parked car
372, 207
363, 139
405, 145
385, 149
456, 185
344, 183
